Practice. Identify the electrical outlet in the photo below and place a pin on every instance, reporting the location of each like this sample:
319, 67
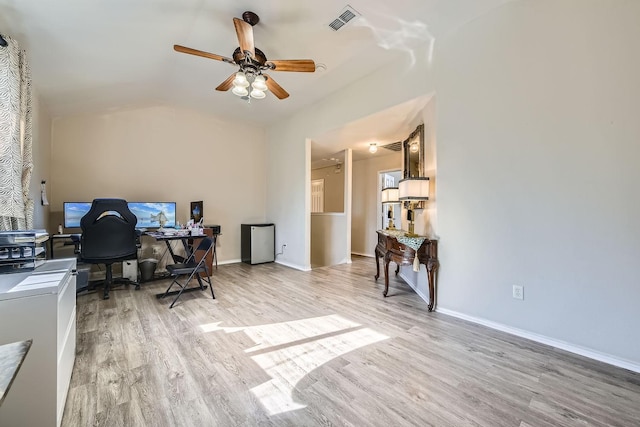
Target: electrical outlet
518, 292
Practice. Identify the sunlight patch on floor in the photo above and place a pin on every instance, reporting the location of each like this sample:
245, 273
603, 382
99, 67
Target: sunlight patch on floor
288, 351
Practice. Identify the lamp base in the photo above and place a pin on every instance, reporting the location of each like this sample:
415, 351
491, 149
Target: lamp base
391, 226
410, 233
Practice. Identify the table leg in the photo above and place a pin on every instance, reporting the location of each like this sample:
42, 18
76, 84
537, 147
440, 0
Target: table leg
386, 275
376, 254
215, 253
432, 266
173, 255
187, 249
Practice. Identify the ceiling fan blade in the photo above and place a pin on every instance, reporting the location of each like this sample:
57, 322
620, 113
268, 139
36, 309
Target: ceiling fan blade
275, 88
245, 36
226, 85
196, 52
303, 65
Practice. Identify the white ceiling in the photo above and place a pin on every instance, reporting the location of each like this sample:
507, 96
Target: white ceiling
101, 55
385, 127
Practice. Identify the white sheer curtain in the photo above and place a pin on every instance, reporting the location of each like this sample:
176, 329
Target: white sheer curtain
16, 164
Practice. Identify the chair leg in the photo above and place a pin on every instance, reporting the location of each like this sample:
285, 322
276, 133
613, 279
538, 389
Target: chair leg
127, 282
175, 280
182, 288
211, 287
208, 279
107, 282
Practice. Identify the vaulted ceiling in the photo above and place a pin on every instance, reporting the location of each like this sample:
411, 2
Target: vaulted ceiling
106, 55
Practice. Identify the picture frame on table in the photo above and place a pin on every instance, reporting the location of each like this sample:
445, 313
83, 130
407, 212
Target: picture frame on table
196, 211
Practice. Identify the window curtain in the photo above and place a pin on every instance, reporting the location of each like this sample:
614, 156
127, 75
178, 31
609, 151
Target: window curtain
16, 163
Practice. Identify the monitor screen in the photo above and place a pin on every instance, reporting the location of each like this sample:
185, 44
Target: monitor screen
73, 212
149, 214
153, 214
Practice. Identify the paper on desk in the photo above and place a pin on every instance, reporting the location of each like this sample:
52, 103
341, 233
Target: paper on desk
38, 281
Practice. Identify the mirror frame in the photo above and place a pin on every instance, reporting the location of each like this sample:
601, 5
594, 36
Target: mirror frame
416, 137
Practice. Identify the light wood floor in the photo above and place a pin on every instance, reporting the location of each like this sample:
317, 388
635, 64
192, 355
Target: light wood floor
280, 347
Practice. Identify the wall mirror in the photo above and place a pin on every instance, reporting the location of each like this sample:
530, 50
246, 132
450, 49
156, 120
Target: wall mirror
413, 150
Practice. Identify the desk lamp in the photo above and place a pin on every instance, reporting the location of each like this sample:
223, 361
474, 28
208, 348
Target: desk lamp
413, 191
389, 197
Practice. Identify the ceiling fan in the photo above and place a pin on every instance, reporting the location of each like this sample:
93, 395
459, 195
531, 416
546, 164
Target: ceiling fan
251, 81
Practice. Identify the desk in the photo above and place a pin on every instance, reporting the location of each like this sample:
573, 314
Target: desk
11, 358
71, 239
392, 246
185, 238
168, 238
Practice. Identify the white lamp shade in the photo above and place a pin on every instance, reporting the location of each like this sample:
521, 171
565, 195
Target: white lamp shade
390, 195
240, 91
260, 84
240, 80
257, 94
414, 189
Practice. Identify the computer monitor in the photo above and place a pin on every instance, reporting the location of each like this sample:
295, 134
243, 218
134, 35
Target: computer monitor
73, 213
152, 214
149, 214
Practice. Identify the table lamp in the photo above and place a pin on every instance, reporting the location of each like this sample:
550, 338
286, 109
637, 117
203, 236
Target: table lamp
413, 191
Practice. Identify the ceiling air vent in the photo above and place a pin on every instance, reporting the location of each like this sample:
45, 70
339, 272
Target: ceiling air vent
346, 15
394, 146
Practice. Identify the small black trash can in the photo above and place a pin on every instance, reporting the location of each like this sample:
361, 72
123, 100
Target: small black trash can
147, 269
82, 280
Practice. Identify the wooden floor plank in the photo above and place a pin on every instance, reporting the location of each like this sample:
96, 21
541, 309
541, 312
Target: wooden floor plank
281, 347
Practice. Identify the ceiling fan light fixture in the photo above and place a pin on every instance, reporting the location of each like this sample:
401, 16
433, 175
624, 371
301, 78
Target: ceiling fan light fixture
250, 62
257, 94
373, 147
259, 83
240, 80
240, 91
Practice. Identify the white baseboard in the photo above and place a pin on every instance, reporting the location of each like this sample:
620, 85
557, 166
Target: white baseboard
294, 266
591, 354
365, 255
413, 286
286, 264
572, 348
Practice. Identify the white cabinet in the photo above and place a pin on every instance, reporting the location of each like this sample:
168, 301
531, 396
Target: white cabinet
40, 305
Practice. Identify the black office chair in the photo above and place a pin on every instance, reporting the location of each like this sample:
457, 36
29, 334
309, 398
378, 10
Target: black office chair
191, 267
108, 236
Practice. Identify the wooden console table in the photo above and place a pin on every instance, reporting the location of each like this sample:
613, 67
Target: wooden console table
393, 246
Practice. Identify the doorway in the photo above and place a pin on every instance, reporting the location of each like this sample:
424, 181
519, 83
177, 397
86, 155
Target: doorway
390, 213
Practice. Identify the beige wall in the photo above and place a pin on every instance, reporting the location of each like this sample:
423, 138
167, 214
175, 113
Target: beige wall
41, 161
333, 187
163, 154
328, 239
537, 171
366, 214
